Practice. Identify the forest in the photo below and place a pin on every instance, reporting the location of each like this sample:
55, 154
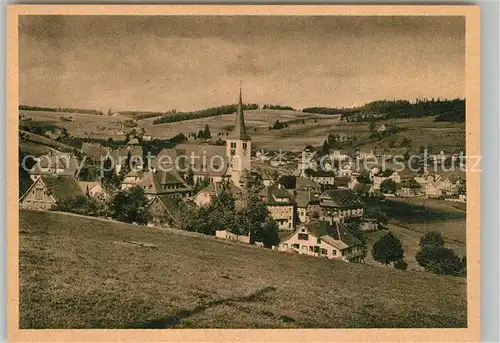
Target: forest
205, 113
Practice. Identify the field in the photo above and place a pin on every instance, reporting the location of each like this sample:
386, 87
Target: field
78, 272
412, 218
421, 131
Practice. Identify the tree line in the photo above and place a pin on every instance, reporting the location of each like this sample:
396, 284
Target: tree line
446, 110
60, 109
277, 107
205, 113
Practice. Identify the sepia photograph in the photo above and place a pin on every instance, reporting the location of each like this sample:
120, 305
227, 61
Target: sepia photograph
245, 170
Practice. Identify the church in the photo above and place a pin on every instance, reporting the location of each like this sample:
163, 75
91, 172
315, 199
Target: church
210, 162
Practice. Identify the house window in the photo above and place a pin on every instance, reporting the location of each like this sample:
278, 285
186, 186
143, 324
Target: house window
233, 152
39, 194
318, 241
289, 225
285, 245
303, 230
324, 252
233, 145
295, 246
303, 236
244, 145
334, 252
316, 249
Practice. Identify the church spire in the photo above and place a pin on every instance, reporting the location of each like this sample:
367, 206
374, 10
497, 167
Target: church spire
239, 130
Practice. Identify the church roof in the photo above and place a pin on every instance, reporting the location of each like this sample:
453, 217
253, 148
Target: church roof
239, 130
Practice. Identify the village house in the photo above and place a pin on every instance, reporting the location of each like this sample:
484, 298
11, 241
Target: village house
279, 160
322, 177
362, 189
279, 203
54, 164
292, 182
387, 174
95, 151
207, 194
382, 128
307, 205
157, 183
267, 177
133, 141
338, 155
364, 155
341, 182
341, 204
435, 185
131, 179
345, 169
92, 189
409, 188
48, 190
324, 239
166, 210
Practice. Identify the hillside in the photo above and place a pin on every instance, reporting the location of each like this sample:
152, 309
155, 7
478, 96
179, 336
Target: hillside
78, 272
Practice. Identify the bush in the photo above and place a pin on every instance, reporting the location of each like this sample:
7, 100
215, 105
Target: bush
81, 205
433, 238
440, 260
388, 249
130, 206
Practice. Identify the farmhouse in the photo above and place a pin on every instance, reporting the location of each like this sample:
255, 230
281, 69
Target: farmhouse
92, 188
324, 239
292, 182
382, 128
387, 174
54, 164
322, 177
409, 188
280, 205
95, 151
156, 183
307, 205
207, 194
165, 210
47, 191
341, 204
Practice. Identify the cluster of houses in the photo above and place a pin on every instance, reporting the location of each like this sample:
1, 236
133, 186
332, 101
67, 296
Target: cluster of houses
313, 206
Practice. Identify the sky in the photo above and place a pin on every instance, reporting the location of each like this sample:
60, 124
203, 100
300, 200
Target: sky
159, 63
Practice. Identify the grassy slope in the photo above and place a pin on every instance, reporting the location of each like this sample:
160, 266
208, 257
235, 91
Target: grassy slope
421, 131
76, 272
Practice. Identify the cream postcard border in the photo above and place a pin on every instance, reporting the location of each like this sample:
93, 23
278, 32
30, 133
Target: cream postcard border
472, 62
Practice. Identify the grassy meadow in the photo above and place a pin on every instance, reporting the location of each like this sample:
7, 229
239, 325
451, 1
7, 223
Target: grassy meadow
79, 272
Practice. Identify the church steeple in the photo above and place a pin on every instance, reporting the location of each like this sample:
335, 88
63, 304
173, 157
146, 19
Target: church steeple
239, 130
